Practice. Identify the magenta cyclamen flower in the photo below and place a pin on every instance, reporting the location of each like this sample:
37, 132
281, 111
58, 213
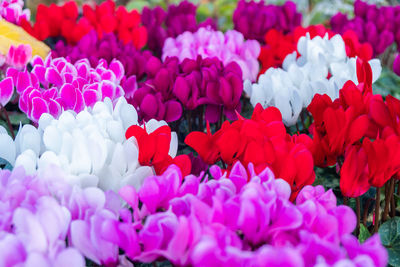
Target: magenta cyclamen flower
178, 19
109, 47
13, 11
19, 56
192, 83
242, 219
228, 47
254, 19
54, 85
379, 26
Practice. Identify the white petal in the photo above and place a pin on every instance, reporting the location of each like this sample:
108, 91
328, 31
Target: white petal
28, 161
7, 151
174, 145
52, 139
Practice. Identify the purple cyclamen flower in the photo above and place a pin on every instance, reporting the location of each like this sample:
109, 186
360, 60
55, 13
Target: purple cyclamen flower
178, 19
109, 48
378, 26
254, 19
206, 42
55, 85
192, 83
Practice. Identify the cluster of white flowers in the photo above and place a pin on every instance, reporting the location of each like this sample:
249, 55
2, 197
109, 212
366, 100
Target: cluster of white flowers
90, 147
321, 68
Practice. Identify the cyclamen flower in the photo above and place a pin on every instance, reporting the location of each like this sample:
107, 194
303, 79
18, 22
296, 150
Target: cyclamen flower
254, 19
192, 83
279, 45
340, 125
242, 219
178, 19
206, 42
90, 147
62, 21
262, 141
322, 67
33, 225
109, 47
13, 11
378, 26
55, 85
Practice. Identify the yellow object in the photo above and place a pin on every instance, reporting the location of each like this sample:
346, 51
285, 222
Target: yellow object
11, 34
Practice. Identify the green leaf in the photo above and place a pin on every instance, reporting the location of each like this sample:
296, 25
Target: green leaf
390, 237
16, 118
4, 164
364, 233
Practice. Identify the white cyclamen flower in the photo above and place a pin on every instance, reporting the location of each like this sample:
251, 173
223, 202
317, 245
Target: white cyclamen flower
292, 87
90, 147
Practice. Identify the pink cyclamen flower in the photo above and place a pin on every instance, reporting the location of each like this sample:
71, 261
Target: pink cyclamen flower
19, 56
55, 85
228, 47
13, 11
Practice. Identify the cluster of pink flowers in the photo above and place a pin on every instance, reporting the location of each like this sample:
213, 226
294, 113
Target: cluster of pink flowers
240, 218
55, 85
228, 47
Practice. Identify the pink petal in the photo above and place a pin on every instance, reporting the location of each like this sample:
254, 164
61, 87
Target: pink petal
90, 97
68, 96
6, 90
23, 81
107, 90
118, 69
53, 77
39, 106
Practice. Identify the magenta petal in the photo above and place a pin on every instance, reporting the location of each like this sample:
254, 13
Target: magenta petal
54, 108
23, 81
181, 90
13, 73
130, 86
68, 96
90, 97
173, 111
6, 90
53, 77
79, 103
39, 106
118, 69
212, 113
149, 106
107, 90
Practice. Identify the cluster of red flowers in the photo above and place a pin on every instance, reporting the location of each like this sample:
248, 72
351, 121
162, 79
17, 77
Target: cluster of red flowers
62, 21
261, 140
360, 131
154, 149
279, 45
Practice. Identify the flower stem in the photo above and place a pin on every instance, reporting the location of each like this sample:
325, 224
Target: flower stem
388, 198
358, 212
365, 212
8, 120
377, 206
